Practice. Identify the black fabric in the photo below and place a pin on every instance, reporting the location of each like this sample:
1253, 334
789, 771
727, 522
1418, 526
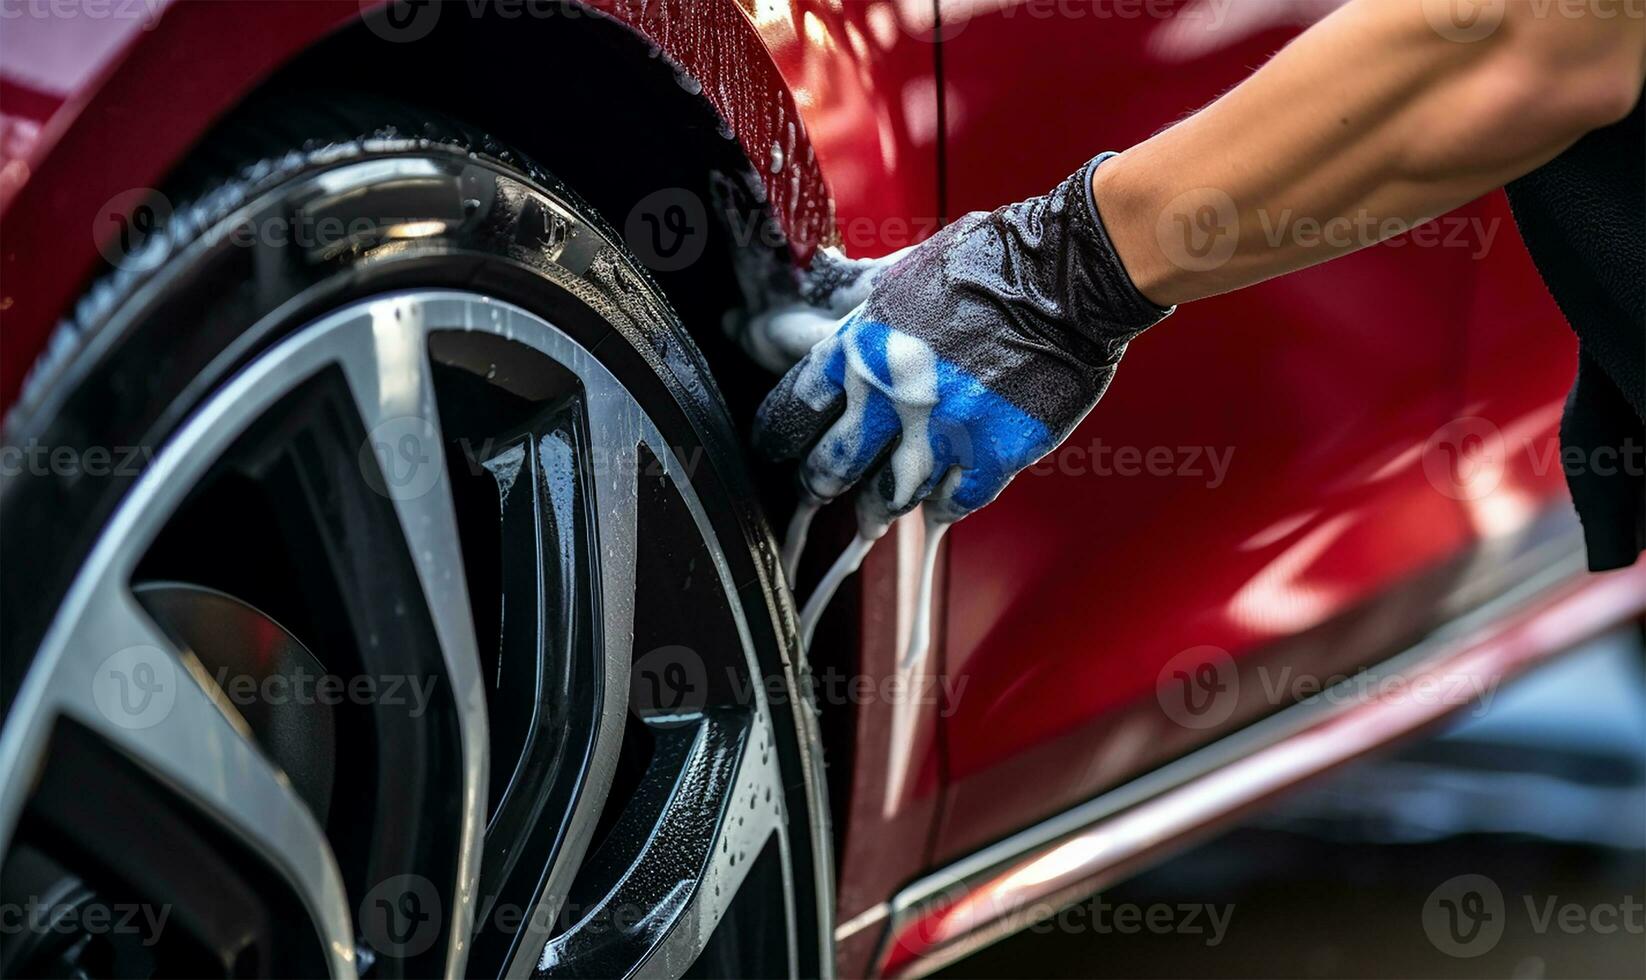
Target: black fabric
1583, 217
988, 343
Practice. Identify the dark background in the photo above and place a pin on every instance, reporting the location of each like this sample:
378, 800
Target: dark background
1543, 792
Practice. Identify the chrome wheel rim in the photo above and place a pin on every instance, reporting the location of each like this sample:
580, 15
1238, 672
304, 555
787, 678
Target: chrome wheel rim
716, 801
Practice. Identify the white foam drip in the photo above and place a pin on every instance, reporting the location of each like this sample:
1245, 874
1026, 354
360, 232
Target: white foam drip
845, 565
778, 338
911, 669
912, 390
920, 629
913, 367
795, 541
505, 469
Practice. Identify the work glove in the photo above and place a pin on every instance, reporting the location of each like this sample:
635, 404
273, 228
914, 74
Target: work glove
974, 355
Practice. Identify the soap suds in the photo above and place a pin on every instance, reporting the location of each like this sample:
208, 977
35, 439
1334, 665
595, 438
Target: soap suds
795, 541
920, 630
788, 321
845, 565
505, 469
913, 367
905, 388
778, 338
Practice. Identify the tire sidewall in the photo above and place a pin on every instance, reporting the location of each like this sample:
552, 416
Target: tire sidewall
151, 345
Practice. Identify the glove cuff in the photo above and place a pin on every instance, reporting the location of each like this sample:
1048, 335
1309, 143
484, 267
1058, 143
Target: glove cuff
1105, 285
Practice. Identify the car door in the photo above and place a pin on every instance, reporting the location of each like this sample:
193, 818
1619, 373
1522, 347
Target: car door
1277, 489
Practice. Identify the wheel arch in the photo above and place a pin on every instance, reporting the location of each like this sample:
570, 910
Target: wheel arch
629, 289
694, 83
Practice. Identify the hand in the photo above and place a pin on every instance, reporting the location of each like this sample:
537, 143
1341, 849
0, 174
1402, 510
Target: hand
974, 355
832, 286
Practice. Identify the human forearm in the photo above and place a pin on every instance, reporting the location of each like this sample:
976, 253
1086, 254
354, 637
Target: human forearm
1373, 121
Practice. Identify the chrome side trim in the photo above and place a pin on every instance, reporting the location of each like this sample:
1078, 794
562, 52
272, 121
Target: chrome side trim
1003, 888
868, 918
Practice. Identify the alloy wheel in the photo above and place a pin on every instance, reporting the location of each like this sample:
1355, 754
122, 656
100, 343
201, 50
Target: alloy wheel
415, 639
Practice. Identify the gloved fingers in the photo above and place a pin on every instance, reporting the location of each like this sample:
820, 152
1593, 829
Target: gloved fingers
803, 404
964, 492
779, 338
852, 445
910, 474
838, 285
984, 461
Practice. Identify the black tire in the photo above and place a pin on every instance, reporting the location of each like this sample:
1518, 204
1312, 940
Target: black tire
433, 214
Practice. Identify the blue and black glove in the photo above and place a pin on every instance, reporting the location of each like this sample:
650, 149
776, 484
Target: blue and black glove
974, 355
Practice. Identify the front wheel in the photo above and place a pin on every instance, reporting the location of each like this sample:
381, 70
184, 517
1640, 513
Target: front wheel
430, 630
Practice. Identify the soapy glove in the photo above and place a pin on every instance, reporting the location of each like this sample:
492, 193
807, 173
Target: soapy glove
973, 355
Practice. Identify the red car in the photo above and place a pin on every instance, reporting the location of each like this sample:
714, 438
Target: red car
387, 590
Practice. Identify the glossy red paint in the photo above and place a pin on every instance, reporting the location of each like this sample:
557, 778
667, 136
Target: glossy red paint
1335, 500
1327, 392
808, 87
80, 92
137, 96
862, 73
1033, 885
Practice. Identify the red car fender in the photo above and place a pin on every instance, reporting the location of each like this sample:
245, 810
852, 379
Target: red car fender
84, 121
834, 104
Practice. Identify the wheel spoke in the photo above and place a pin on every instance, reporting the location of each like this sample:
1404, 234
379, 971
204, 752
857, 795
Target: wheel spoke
754, 815
384, 595
388, 372
614, 425
722, 808
119, 676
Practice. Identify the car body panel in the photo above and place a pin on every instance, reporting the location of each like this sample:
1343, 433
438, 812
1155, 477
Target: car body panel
95, 107
1095, 578
75, 193
150, 76
1024, 879
1353, 511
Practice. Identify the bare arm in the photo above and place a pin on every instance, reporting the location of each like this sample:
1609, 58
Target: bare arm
1385, 114
955, 365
